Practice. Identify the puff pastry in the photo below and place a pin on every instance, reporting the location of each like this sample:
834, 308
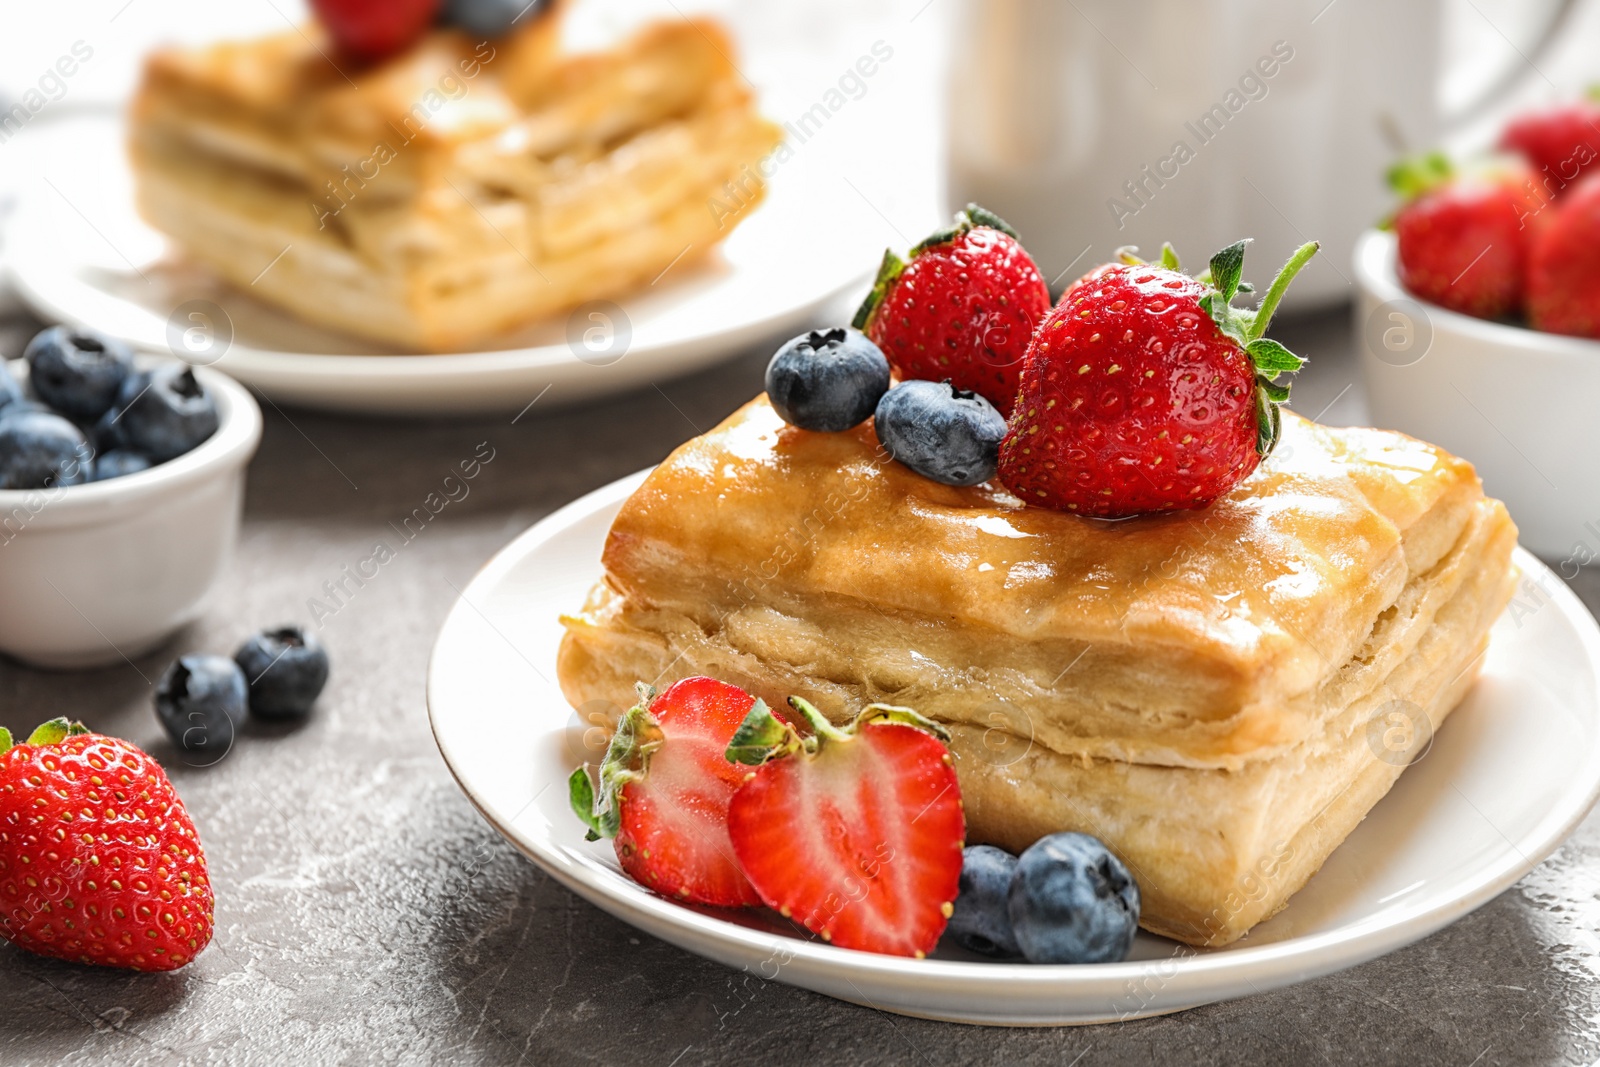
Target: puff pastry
458, 190
1200, 690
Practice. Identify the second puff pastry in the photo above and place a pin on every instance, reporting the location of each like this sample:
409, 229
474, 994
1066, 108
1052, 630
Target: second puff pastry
457, 190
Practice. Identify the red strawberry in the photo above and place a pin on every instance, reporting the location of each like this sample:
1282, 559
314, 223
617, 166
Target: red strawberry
856, 834
963, 309
664, 791
1561, 141
1564, 265
1146, 390
1463, 240
99, 862
376, 29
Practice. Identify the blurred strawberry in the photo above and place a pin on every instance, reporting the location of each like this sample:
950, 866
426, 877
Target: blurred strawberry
376, 29
1561, 141
1564, 265
1463, 238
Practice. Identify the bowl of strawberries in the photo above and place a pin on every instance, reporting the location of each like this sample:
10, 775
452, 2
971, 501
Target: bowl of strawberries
1479, 319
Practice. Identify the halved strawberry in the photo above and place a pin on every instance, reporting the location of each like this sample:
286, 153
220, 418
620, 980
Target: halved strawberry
664, 792
856, 834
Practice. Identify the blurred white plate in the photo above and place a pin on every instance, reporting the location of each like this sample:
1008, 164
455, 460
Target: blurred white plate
79, 253
1491, 799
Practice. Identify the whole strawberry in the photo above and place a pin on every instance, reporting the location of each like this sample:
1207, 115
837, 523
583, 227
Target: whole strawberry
664, 792
961, 310
1146, 390
1462, 240
855, 833
1564, 265
99, 861
376, 29
1561, 141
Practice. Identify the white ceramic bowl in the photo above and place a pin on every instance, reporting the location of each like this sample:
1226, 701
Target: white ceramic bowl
95, 574
1520, 404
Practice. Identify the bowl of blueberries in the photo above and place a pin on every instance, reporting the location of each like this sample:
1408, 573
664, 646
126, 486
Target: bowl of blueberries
121, 486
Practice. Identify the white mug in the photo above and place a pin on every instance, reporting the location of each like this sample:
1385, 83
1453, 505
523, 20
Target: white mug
1093, 124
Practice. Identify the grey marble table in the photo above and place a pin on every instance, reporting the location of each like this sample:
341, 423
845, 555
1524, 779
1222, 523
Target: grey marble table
366, 913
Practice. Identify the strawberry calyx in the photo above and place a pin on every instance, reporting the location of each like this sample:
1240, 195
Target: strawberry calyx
1415, 175
763, 736
890, 268
1247, 328
52, 732
627, 759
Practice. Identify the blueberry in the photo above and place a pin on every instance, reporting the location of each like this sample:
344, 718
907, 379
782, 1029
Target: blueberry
23, 406
166, 412
286, 669
490, 18
828, 380
201, 702
980, 921
117, 464
106, 434
941, 432
77, 372
40, 450
10, 390
1072, 901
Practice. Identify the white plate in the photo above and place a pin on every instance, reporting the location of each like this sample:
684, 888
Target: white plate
1508, 777
81, 254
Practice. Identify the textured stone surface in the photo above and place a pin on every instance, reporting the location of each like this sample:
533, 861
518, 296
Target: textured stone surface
366, 913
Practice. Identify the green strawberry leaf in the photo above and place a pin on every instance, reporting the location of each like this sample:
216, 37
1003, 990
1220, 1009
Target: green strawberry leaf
1226, 268
1269, 423
1274, 392
982, 216
760, 737
53, 732
1169, 256
1271, 358
5, 740
627, 759
888, 272
580, 794
1128, 254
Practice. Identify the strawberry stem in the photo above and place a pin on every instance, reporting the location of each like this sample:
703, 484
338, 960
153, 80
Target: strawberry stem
904, 716
1279, 286
821, 728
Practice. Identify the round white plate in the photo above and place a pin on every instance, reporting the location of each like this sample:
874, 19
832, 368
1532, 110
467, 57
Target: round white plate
1506, 779
79, 253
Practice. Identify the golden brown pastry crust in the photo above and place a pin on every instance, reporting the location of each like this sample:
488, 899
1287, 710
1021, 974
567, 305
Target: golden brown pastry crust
458, 190
1196, 689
